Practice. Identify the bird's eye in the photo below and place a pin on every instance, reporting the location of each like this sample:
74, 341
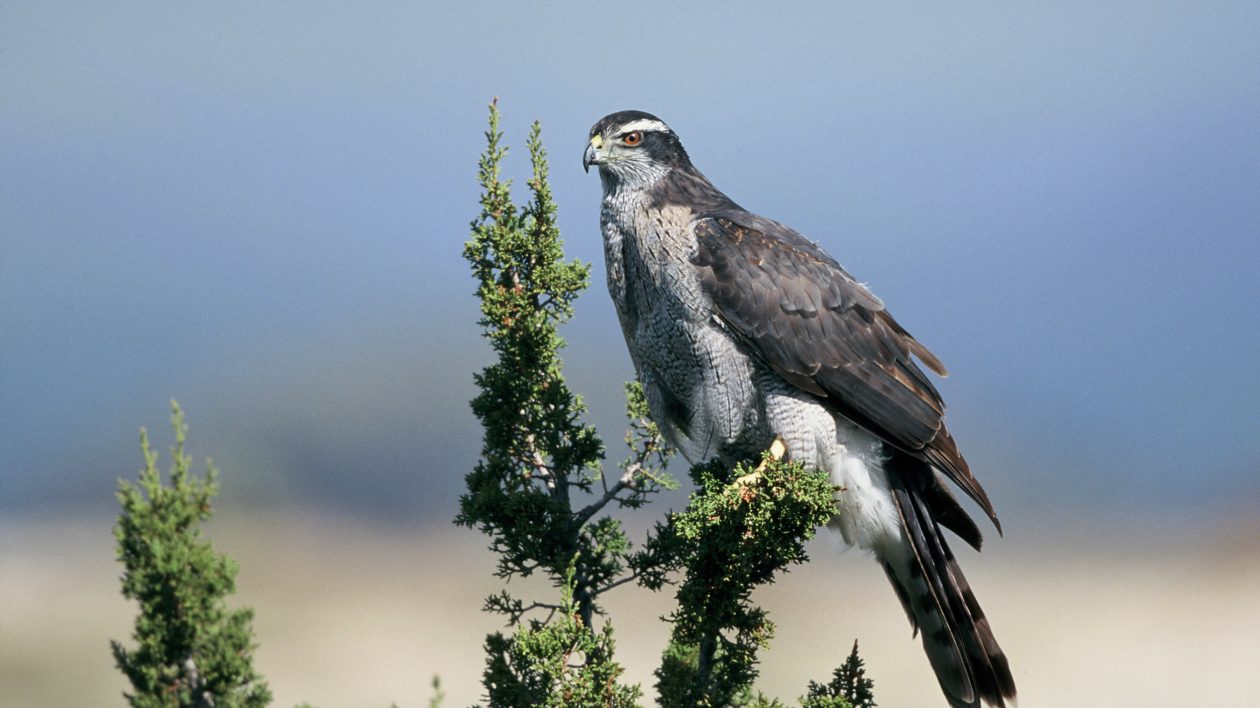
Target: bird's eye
632, 139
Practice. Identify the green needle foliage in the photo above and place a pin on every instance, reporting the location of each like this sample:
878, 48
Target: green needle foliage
737, 533
539, 490
849, 687
438, 694
190, 649
557, 663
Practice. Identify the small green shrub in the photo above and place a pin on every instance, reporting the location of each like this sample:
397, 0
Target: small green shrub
190, 649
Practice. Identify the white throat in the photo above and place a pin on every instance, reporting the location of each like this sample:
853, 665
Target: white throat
629, 175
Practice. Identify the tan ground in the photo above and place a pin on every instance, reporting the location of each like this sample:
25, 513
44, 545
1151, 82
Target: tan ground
349, 615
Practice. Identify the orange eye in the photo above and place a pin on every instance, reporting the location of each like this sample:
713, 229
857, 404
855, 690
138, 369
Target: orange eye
632, 139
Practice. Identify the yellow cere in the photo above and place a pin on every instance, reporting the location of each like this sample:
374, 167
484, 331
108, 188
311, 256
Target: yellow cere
597, 141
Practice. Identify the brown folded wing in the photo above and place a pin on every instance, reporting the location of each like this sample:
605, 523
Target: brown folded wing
799, 312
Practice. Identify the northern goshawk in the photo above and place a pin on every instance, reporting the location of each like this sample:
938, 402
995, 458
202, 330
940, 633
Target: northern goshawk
742, 330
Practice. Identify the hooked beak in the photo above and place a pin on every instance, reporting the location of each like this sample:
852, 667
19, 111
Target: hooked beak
591, 156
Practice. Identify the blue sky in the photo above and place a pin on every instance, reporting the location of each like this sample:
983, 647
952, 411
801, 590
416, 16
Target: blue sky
258, 209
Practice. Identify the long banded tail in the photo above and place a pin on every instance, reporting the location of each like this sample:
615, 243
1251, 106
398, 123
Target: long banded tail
968, 662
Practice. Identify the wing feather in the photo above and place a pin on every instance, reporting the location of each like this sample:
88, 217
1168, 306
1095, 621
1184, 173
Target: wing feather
803, 315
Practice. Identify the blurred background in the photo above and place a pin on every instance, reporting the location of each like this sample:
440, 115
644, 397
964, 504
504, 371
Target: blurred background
259, 210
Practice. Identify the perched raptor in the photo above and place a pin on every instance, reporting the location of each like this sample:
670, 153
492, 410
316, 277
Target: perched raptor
742, 330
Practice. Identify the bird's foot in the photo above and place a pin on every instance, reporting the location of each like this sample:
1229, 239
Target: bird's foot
777, 450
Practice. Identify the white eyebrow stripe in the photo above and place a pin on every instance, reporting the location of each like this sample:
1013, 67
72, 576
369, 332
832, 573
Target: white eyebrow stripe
644, 124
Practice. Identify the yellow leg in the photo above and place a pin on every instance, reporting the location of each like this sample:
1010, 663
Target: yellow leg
777, 450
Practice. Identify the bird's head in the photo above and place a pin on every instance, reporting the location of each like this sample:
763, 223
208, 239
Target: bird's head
633, 149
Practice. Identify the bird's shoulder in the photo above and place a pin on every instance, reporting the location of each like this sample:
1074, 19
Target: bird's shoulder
753, 249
